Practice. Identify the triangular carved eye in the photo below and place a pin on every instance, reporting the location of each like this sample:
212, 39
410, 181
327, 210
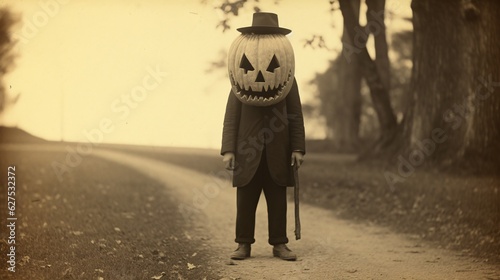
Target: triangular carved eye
273, 64
245, 64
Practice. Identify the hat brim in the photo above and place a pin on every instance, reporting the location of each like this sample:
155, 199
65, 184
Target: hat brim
264, 30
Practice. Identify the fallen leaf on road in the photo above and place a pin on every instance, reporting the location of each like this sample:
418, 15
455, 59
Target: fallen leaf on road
68, 272
194, 254
191, 266
24, 260
159, 276
128, 215
76, 232
117, 229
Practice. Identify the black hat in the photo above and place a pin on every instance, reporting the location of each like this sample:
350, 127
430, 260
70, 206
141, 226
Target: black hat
264, 23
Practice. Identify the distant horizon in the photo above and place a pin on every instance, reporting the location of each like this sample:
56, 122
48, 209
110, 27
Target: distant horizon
48, 141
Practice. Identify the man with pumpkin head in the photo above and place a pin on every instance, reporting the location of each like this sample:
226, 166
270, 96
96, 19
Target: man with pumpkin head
263, 135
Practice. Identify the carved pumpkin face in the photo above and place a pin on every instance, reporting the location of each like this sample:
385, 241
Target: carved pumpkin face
261, 68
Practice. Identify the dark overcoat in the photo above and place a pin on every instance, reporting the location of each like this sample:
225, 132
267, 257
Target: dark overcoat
277, 129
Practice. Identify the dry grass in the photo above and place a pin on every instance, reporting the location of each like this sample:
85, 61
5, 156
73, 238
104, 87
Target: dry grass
103, 220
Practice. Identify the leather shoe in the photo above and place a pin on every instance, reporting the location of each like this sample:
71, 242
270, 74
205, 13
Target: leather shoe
242, 252
281, 251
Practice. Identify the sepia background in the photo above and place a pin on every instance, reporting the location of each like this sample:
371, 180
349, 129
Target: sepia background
111, 124
83, 58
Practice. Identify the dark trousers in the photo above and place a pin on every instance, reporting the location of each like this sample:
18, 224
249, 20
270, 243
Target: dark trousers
247, 198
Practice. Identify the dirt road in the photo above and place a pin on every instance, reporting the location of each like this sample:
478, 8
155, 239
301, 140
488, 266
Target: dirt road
329, 249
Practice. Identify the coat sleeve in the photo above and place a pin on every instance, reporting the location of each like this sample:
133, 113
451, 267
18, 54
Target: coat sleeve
295, 120
231, 124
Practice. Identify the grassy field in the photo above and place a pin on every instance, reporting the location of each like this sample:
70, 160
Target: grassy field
453, 211
102, 220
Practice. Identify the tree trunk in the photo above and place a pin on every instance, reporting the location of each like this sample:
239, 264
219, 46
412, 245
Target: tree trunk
379, 91
455, 87
375, 15
346, 102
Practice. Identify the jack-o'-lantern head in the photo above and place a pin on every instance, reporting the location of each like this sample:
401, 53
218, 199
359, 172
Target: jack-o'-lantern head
261, 63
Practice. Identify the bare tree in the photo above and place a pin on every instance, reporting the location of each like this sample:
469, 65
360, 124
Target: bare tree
377, 82
345, 106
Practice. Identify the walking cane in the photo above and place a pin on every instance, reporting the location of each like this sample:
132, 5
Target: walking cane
296, 198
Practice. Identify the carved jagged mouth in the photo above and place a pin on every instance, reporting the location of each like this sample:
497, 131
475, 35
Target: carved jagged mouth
268, 94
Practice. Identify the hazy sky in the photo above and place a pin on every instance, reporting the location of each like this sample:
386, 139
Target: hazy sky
137, 70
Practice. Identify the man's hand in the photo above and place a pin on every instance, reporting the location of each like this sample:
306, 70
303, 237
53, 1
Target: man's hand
228, 160
297, 158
